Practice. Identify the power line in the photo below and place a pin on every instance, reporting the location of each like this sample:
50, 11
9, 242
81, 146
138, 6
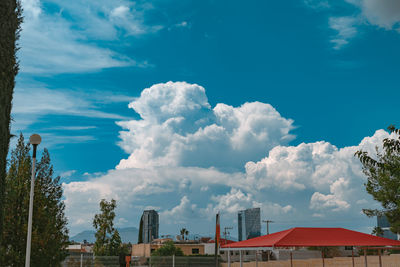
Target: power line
226, 232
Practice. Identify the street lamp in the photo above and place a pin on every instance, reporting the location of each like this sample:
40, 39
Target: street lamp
34, 140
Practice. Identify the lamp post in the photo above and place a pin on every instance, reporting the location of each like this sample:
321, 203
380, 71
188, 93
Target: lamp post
34, 140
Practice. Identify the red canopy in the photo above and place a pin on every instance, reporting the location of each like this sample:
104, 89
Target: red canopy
314, 237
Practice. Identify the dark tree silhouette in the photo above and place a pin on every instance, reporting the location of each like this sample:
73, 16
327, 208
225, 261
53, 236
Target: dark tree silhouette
10, 21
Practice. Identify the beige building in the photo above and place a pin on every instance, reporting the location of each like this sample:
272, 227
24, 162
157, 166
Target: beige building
188, 247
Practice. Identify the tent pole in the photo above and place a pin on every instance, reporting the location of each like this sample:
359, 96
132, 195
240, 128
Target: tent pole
229, 258
291, 259
380, 258
323, 258
240, 258
365, 257
352, 255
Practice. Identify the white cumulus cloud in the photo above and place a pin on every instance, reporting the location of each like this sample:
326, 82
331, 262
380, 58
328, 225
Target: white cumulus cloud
175, 165
178, 127
333, 174
382, 13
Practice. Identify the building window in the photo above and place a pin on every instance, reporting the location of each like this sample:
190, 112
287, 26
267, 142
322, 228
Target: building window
348, 248
247, 253
195, 251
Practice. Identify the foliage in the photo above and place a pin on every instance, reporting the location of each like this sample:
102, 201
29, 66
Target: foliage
168, 249
10, 25
383, 172
184, 233
126, 248
108, 240
378, 231
49, 232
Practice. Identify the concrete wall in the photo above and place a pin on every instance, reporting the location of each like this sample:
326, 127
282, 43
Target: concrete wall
141, 250
209, 248
187, 248
373, 261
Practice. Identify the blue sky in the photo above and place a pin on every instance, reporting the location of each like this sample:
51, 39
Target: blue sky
317, 76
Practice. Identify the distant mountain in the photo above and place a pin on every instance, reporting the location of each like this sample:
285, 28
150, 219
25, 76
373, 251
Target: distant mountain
129, 234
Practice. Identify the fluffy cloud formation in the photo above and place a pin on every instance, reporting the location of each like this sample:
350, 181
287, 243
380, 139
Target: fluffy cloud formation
320, 167
51, 44
171, 188
180, 213
178, 127
235, 200
303, 181
382, 13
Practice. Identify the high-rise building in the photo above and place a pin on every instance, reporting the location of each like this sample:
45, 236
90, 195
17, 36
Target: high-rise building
384, 224
249, 223
149, 226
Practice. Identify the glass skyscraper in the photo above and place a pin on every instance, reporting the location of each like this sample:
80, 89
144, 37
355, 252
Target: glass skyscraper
249, 223
384, 224
149, 222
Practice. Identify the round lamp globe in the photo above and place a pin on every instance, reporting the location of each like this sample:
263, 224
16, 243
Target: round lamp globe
35, 139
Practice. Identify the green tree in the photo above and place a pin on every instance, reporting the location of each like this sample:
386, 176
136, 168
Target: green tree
378, 231
49, 216
15, 207
383, 172
184, 233
10, 21
108, 242
168, 249
49, 232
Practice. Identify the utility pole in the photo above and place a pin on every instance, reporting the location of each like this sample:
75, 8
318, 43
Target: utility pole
226, 232
267, 222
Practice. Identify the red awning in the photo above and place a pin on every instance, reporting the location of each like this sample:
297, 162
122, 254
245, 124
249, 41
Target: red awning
314, 237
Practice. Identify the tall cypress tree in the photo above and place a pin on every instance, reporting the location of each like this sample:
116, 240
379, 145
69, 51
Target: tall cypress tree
49, 232
10, 21
16, 203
